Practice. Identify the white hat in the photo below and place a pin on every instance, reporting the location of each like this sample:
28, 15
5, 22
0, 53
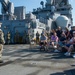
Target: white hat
73, 31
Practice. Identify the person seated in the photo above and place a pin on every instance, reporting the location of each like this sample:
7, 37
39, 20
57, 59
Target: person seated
54, 42
70, 50
43, 39
71, 46
62, 40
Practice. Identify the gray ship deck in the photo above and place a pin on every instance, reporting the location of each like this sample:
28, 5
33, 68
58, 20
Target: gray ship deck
22, 60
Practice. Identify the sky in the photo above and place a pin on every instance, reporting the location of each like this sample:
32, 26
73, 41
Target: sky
30, 4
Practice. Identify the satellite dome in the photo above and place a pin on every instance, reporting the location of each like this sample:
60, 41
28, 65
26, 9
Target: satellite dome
62, 21
62, 18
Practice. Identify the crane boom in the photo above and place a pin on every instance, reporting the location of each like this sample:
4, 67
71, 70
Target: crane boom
7, 7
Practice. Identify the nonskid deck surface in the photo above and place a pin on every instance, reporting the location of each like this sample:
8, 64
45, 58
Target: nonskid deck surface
26, 60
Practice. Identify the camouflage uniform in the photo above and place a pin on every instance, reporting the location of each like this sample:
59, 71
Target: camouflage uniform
1, 43
17, 37
28, 38
24, 38
8, 37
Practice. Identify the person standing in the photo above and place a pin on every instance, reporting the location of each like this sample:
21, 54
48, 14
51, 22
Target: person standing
2, 41
37, 37
24, 37
8, 37
17, 36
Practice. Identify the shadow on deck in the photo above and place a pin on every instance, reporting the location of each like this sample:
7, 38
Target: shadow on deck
66, 72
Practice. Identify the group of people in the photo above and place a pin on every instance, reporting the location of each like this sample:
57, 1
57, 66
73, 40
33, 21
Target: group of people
62, 40
21, 37
58, 38
17, 38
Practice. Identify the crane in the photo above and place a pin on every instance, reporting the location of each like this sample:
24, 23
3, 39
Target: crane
7, 7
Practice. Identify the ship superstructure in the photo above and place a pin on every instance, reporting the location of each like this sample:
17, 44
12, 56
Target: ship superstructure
53, 9
50, 16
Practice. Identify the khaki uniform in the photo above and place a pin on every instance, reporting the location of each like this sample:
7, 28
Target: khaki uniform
37, 37
2, 41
